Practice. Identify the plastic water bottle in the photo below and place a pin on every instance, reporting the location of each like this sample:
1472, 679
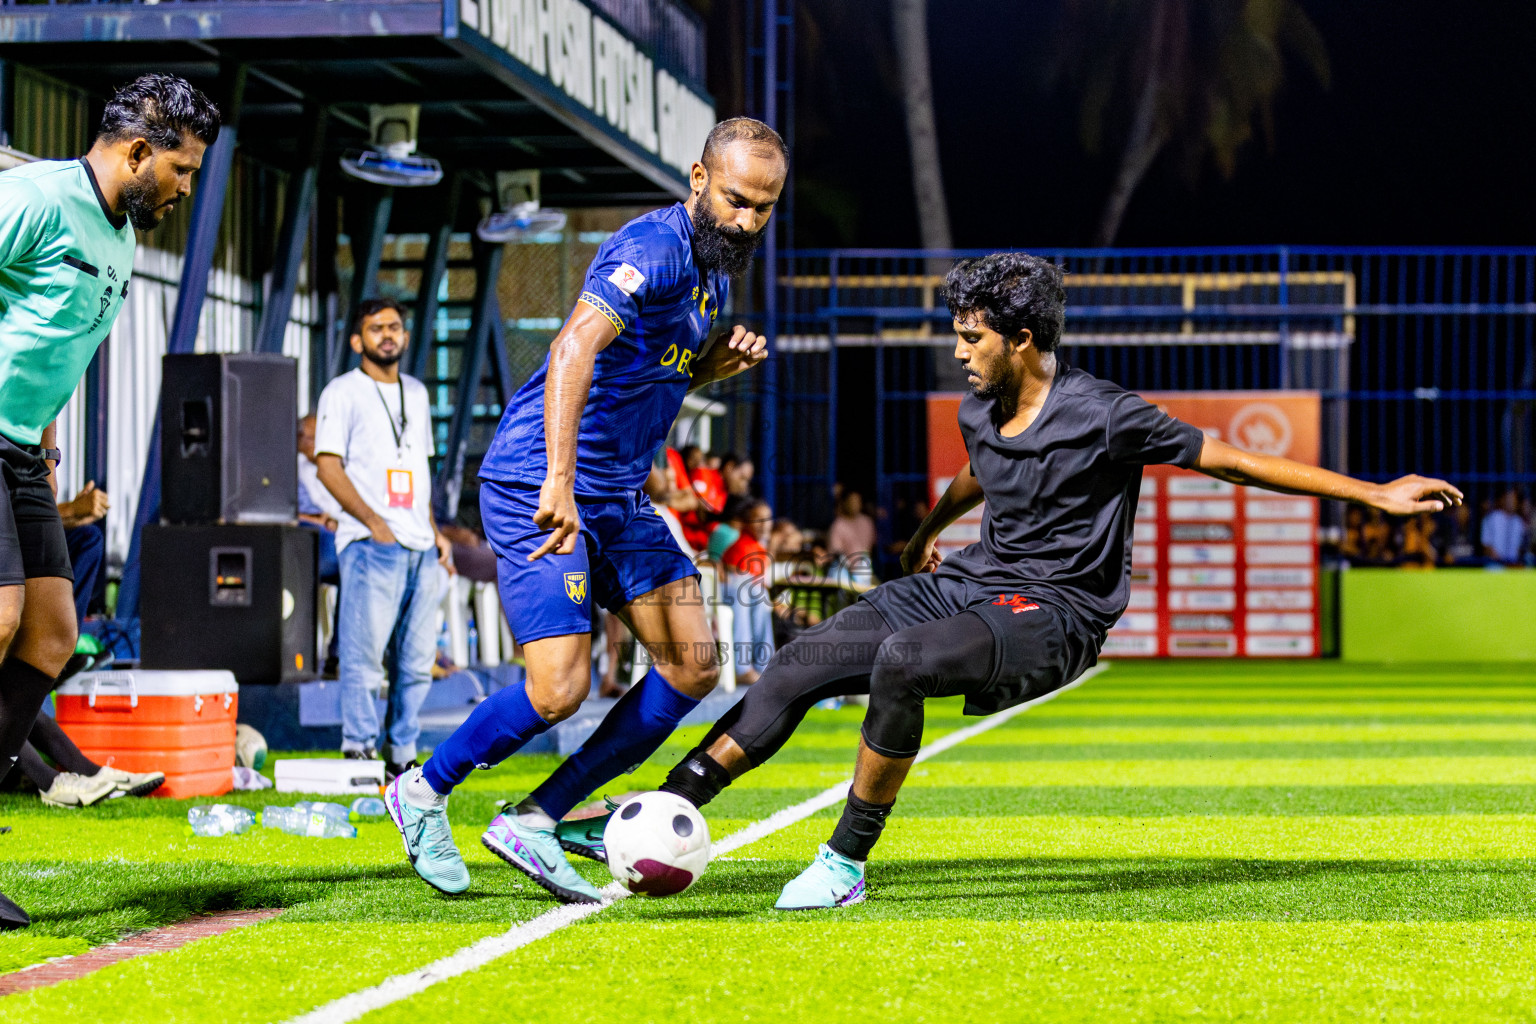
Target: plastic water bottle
299, 823
367, 807
330, 810
472, 642
218, 820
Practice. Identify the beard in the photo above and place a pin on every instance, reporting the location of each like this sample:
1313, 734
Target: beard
717, 247
993, 387
378, 358
140, 197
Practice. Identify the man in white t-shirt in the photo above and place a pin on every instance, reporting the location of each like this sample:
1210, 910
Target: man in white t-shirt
372, 441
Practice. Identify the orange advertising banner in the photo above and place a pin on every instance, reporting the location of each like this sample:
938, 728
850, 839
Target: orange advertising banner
1217, 570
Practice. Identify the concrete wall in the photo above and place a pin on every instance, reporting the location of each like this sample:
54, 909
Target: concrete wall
1438, 615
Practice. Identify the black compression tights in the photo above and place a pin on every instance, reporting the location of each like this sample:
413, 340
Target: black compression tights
856, 652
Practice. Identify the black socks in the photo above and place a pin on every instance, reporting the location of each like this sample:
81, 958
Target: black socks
22, 692
698, 778
52, 743
859, 828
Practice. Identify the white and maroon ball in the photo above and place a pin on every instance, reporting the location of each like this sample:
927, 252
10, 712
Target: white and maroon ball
657, 843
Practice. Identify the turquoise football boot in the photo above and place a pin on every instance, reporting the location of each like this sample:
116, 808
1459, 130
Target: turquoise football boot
584, 836
832, 880
536, 853
428, 840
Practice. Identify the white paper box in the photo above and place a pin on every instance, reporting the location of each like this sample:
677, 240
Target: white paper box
328, 775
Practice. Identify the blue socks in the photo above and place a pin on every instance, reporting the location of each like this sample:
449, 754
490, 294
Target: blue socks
493, 731
634, 730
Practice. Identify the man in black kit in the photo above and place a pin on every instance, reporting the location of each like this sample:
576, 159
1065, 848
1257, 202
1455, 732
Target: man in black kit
1057, 455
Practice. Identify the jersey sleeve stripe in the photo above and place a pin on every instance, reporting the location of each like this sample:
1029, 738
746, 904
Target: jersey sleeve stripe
602, 307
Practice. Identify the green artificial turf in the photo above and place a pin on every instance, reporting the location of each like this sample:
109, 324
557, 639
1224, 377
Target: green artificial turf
1255, 841
962, 970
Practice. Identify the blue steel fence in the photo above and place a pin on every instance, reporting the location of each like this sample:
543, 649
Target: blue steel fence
1425, 357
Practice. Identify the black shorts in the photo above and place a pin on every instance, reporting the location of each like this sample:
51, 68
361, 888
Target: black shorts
31, 532
1037, 646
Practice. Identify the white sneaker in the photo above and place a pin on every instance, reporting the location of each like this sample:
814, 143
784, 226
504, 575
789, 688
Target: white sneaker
71, 790
132, 783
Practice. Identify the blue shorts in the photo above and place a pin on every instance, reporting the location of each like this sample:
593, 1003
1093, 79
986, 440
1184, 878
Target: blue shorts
624, 551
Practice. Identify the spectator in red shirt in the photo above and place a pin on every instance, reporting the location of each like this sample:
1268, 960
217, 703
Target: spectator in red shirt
708, 489
748, 569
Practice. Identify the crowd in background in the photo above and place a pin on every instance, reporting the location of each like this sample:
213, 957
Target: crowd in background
1496, 532
777, 575
710, 503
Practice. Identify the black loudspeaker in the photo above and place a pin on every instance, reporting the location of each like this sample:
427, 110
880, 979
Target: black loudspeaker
237, 597
227, 449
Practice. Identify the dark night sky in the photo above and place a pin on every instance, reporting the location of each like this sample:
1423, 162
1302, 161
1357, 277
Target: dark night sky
1421, 138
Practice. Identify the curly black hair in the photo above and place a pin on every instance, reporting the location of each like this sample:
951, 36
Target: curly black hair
162, 109
1011, 292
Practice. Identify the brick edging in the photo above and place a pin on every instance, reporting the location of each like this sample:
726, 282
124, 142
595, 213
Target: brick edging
156, 940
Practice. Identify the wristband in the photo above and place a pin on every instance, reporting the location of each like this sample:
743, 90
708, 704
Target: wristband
53, 454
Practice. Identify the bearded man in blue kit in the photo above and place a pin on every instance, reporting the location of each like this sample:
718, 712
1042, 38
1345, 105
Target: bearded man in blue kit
564, 511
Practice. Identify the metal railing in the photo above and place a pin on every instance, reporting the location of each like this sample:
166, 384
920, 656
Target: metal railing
1425, 357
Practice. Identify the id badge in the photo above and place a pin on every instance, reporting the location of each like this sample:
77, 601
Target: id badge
402, 492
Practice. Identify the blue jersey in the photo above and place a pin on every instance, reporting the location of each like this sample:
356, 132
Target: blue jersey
646, 282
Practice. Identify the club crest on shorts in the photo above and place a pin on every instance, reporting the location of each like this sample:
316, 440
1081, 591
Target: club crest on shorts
576, 586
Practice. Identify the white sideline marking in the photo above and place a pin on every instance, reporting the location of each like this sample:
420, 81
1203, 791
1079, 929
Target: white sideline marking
403, 986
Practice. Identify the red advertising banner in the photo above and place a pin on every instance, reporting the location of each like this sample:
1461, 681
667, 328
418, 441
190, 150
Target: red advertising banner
1217, 570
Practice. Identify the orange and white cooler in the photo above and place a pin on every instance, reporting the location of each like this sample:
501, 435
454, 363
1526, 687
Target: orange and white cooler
180, 723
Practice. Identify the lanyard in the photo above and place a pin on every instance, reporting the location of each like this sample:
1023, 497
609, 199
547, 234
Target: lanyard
398, 434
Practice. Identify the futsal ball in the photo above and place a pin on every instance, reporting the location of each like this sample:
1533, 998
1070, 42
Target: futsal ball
657, 843
250, 748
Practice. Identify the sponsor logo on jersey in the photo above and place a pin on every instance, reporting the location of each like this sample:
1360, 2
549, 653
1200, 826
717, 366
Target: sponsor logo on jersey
576, 586
678, 359
627, 279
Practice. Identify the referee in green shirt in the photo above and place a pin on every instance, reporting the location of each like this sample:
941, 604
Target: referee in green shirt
66, 253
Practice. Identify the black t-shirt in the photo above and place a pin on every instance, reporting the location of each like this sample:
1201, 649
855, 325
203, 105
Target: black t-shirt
1061, 496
